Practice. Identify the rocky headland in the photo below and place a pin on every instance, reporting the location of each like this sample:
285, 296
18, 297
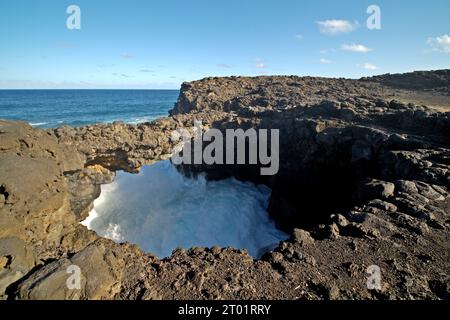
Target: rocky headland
363, 180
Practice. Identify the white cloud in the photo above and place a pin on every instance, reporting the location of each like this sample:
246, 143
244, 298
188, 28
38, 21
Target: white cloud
299, 36
369, 66
334, 27
325, 61
260, 64
355, 48
102, 65
441, 44
224, 65
120, 75
127, 56
326, 51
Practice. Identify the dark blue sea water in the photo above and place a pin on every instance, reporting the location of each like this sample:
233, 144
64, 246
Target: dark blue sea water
53, 108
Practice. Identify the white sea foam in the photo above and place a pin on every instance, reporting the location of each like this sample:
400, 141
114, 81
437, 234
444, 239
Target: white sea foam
37, 124
113, 232
160, 210
140, 120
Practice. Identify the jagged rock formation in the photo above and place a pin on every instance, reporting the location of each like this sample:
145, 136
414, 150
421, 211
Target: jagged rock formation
363, 180
419, 80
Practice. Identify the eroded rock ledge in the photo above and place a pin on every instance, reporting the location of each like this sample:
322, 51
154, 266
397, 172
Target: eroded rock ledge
363, 180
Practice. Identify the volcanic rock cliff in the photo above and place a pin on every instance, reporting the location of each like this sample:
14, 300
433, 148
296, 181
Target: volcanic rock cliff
363, 181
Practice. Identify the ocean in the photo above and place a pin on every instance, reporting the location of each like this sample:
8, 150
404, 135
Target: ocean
54, 108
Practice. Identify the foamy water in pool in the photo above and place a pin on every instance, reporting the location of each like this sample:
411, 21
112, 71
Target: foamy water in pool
160, 210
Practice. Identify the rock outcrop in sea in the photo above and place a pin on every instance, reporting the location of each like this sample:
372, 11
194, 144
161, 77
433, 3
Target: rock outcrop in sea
363, 182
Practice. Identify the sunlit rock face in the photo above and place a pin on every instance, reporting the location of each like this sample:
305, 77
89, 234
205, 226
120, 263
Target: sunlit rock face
160, 210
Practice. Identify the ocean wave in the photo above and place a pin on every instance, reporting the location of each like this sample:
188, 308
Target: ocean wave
38, 124
160, 209
143, 119
81, 122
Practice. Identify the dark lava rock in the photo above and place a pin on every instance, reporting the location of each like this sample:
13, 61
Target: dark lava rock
363, 181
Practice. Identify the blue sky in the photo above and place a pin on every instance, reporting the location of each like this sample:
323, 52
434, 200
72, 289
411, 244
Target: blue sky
160, 44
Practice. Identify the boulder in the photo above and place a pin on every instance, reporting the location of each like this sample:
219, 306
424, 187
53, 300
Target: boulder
99, 269
373, 189
16, 260
302, 237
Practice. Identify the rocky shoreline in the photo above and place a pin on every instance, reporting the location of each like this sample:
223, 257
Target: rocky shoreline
364, 180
